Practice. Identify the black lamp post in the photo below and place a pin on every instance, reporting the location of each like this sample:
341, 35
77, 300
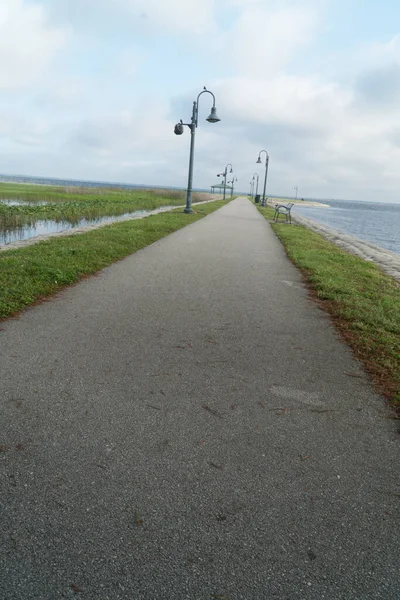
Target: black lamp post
256, 178
212, 118
233, 184
224, 174
259, 161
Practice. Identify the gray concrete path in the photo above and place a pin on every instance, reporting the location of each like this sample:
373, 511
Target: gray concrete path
187, 425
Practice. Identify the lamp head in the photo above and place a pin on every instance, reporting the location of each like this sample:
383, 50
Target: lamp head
213, 117
178, 129
259, 160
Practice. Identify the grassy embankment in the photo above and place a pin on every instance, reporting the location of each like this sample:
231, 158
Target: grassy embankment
72, 204
363, 301
32, 273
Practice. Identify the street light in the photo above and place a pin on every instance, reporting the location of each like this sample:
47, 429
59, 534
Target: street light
251, 187
258, 179
178, 130
296, 188
233, 184
259, 161
224, 174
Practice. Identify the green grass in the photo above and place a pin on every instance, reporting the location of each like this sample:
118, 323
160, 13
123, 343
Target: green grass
363, 301
35, 272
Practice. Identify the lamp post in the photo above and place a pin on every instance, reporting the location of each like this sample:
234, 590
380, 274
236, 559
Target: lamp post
233, 184
259, 161
296, 188
256, 177
251, 188
224, 174
212, 118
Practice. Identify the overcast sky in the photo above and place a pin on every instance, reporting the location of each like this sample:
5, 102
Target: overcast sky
92, 89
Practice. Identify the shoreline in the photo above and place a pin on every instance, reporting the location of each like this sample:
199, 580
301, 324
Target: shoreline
307, 203
387, 260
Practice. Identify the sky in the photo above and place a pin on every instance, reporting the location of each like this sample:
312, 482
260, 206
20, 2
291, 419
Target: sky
92, 89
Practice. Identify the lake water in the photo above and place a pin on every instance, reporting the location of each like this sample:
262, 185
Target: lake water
378, 223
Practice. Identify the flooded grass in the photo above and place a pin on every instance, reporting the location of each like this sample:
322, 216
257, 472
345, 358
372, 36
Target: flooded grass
32, 227
22, 206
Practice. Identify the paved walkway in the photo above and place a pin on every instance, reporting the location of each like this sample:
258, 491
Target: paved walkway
187, 425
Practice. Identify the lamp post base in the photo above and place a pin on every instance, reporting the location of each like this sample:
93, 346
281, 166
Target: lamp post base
188, 211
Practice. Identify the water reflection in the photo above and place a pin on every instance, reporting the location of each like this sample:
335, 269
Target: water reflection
36, 228
23, 202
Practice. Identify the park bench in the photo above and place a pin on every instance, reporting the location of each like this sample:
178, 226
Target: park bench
283, 209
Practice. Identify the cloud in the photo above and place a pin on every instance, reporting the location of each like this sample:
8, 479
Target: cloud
195, 17
69, 90
141, 128
62, 93
264, 38
378, 53
28, 43
302, 102
192, 16
318, 136
380, 87
18, 130
128, 63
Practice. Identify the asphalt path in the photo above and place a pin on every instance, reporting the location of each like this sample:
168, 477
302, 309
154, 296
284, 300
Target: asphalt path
188, 425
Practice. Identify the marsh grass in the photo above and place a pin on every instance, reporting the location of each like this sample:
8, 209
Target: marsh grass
35, 193
72, 204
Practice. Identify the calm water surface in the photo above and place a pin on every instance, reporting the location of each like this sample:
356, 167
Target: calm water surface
46, 226
373, 222
23, 202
